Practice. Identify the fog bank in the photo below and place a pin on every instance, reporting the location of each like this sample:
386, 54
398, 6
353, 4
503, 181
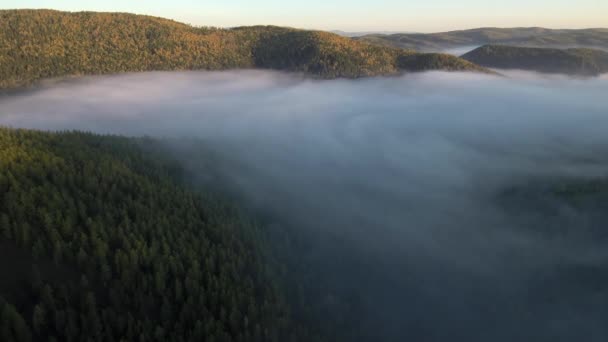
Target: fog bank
403, 174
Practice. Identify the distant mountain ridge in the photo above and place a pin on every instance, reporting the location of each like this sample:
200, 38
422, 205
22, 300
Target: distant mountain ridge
39, 44
353, 34
523, 36
586, 62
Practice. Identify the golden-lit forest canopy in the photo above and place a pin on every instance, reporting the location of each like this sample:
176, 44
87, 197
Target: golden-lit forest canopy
38, 44
101, 242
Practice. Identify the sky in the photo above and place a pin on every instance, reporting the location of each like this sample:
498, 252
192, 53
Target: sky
353, 15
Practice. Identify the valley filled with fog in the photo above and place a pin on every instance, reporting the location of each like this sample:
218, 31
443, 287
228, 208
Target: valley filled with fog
430, 196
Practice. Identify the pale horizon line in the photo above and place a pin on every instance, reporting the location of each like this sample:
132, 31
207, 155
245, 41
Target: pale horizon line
347, 31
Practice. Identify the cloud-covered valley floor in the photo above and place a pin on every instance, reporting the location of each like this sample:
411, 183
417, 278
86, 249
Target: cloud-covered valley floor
406, 178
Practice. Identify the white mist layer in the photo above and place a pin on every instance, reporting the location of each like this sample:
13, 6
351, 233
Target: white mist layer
405, 168
416, 147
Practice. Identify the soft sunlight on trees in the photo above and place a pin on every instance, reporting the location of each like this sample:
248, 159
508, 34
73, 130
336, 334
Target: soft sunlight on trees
38, 44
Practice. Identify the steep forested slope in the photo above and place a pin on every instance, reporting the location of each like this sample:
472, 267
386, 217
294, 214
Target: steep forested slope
100, 241
567, 61
37, 44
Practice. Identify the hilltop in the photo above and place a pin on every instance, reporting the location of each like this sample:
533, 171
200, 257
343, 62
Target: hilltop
587, 62
38, 44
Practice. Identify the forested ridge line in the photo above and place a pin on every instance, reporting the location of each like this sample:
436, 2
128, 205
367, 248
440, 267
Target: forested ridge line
516, 36
39, 44
579, 61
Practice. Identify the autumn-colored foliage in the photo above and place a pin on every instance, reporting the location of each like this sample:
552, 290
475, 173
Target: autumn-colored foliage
38, 44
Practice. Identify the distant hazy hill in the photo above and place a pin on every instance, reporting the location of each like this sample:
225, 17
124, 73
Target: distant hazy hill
36, 44
363, 33
566, 61
532, 36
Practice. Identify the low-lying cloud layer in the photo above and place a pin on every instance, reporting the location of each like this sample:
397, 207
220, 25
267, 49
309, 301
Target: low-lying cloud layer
405, 171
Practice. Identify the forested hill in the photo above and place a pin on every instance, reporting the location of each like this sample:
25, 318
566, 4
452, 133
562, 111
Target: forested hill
38, 44
520, 36
100, 242
586, 62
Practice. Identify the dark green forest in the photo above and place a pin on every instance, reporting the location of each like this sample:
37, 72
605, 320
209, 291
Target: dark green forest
588, 62
108, 238
40, 44
101, 241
